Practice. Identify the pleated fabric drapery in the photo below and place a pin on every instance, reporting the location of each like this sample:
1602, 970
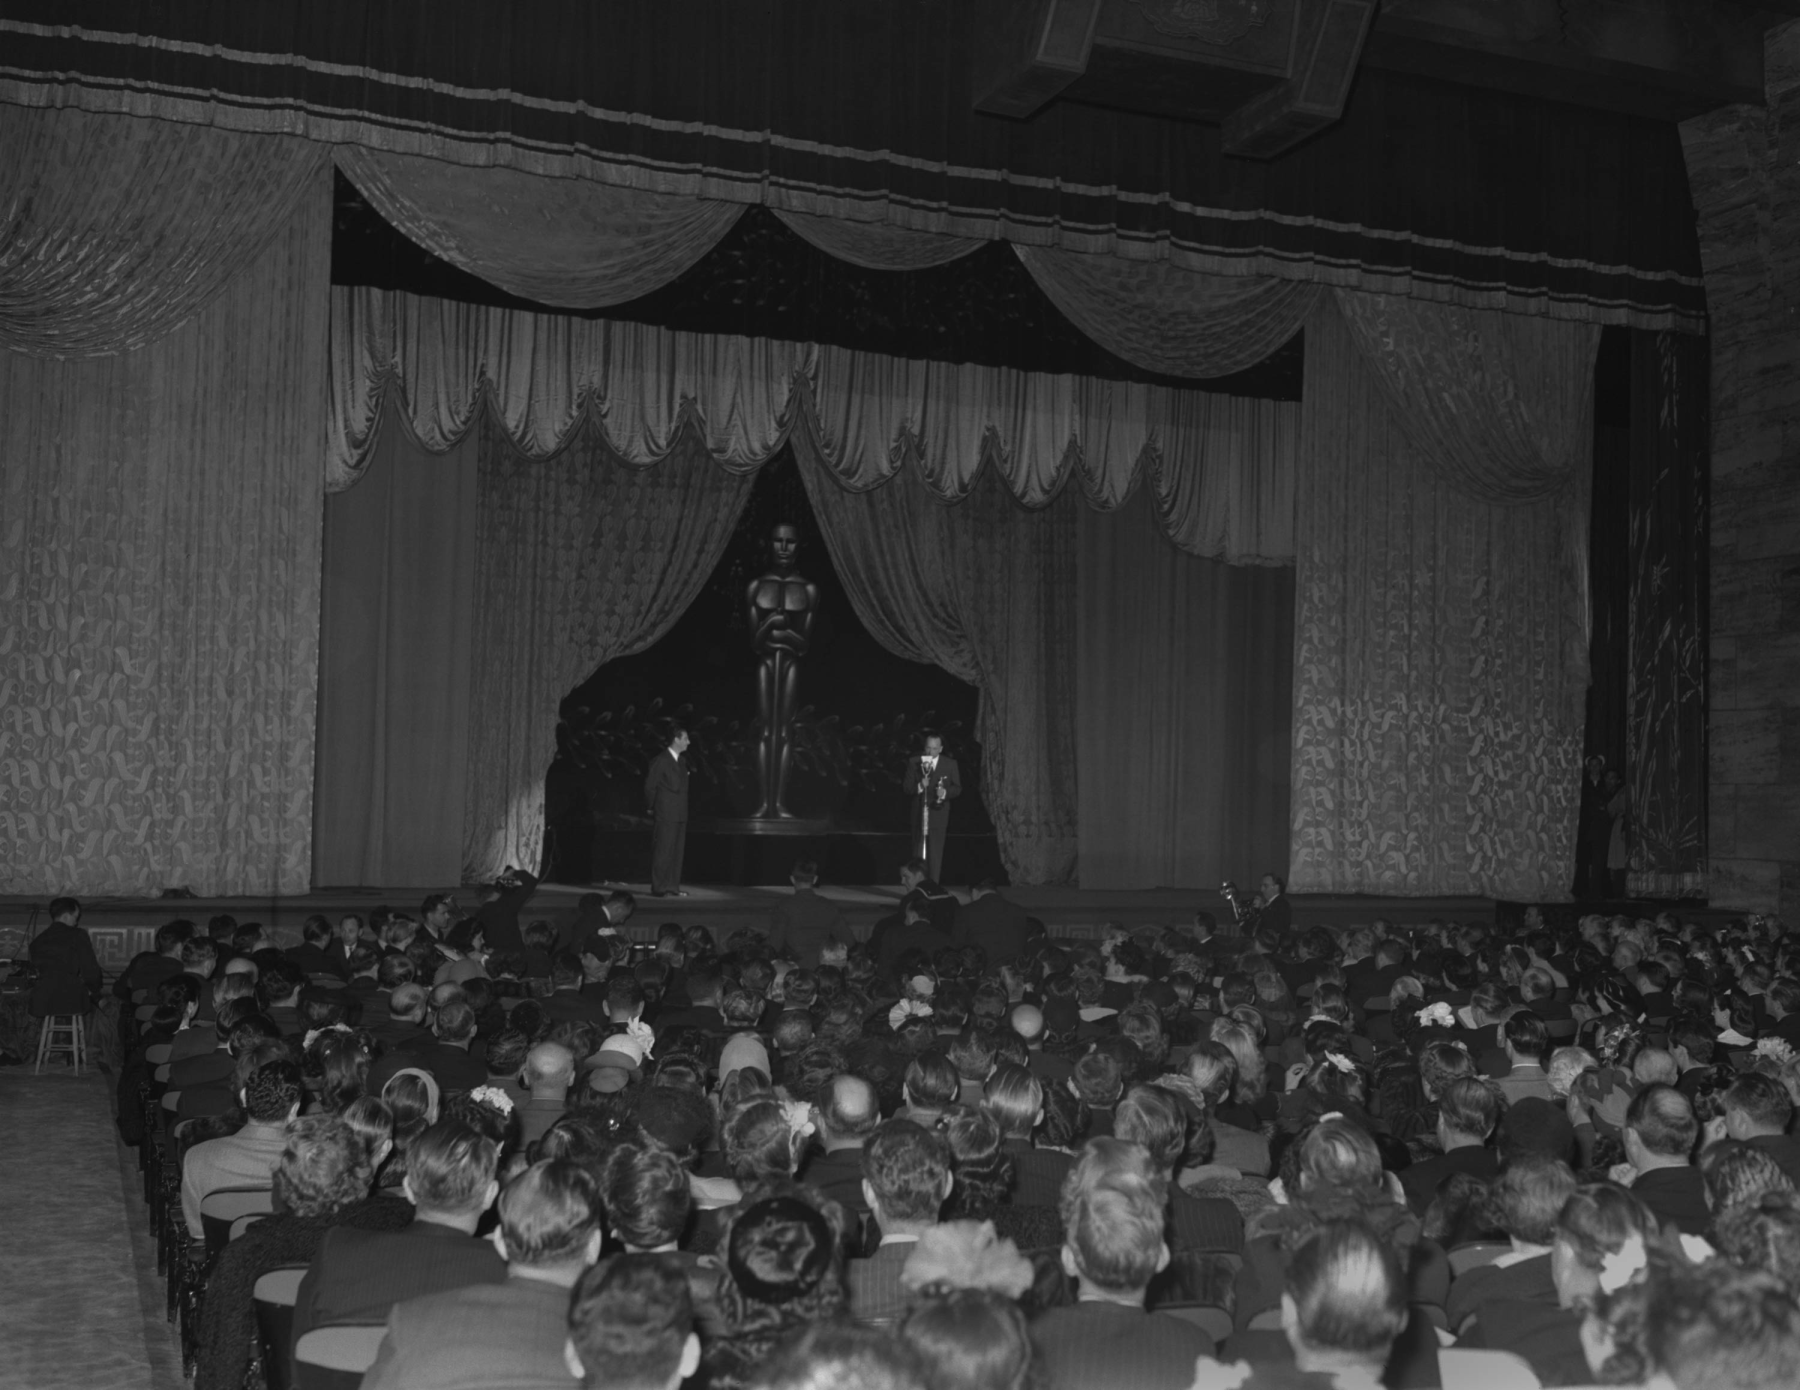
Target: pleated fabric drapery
1437, 709
580, 558
1221, 467
159, 547
395, 647
1184, 683
115, 231
984, 589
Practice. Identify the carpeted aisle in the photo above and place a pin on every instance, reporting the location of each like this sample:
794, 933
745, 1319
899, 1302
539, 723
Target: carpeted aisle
80, 1304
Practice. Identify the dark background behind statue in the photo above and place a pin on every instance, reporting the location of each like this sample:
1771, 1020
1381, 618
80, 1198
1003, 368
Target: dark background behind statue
860, 712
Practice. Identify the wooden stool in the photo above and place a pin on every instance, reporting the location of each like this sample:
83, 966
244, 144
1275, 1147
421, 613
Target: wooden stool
61, 1033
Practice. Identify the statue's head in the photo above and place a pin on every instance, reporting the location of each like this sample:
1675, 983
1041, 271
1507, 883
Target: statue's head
784, 542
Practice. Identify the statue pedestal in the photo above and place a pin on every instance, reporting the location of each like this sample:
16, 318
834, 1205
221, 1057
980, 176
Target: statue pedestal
764, 825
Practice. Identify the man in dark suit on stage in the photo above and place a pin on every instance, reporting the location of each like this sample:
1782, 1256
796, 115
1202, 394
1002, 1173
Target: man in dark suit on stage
358, 1276
806, 921
666, 789
996, 924
508, 1333
68, 972
933, 782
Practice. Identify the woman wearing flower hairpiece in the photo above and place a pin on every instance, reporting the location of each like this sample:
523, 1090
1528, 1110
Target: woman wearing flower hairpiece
1330, 1080
784, 1271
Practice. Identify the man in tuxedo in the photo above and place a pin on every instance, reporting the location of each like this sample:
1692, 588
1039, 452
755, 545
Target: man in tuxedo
1113, 1210
906, 1177
1660, 1133
847, 1113
510, 1332
68, 972
358, 1276
1277, 911
806, 921
933, 782
666, 789
996, 924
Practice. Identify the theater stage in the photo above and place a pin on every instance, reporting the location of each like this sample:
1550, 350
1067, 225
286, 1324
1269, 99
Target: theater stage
123, 926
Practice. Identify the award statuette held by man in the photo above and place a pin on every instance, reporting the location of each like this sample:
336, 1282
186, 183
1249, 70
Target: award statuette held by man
933, 782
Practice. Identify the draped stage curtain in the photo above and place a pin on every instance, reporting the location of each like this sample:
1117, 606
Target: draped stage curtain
1184, 682
159, 528
940, 488
395, 654
984, 589
1439, 662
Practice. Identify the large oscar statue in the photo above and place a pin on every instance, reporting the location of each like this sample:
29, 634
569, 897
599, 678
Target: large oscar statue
779, 608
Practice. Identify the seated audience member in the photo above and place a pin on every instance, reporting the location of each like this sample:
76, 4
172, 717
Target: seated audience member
1468, 1111
1098, 1081
834, 1358
1153, 1118
1526, 1197
1028, 1022
147, 969
1763, 1235
783, 1272
802, 925
906, 1177
1113, 1206
1596, 1221
1736, 1174
549, 1072
1703, 1327
446, 1053
358, 1276
510, 1333
408, 1021
846, 1114
980, 1178
1015, 1098
312, 954
1212, 1068
972, 1339
1527, 1046
631, 1326
322, 1180
271, 1097
1336, 1174
1758, 1111
647, 1200
1660, 1134
929, 1088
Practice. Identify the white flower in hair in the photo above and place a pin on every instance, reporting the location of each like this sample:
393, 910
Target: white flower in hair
1437, 1016
642, 1034
905, 1009
1622, 1265
1778, 1048
1219, 1375
799, 1116
1697, 1248
313, 1034
494, 1098
1341, 1062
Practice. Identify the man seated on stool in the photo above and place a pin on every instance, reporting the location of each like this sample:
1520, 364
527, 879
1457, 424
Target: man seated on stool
513, 1332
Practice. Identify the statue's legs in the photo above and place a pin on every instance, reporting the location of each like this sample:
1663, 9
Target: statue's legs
767, 703
787, 690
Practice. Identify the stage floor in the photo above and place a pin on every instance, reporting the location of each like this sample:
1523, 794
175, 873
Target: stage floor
123, 926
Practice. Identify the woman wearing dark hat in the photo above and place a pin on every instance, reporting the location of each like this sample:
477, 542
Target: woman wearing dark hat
784, 1271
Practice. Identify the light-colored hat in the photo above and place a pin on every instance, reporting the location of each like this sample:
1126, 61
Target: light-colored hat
743, 1050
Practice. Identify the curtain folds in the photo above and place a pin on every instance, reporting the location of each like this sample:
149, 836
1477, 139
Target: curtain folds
1437, 718
1184, 674
159, 562
573, 243
1221, 466
580, 557
877, 245
1165, 318
115, 231
1501, 405
984, 589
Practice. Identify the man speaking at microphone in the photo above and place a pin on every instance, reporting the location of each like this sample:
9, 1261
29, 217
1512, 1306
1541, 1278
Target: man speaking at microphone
932, 781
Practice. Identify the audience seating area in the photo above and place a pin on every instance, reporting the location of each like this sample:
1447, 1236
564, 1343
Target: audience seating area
964, 1155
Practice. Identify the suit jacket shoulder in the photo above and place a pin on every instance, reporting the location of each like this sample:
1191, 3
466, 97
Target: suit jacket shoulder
875, 1292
